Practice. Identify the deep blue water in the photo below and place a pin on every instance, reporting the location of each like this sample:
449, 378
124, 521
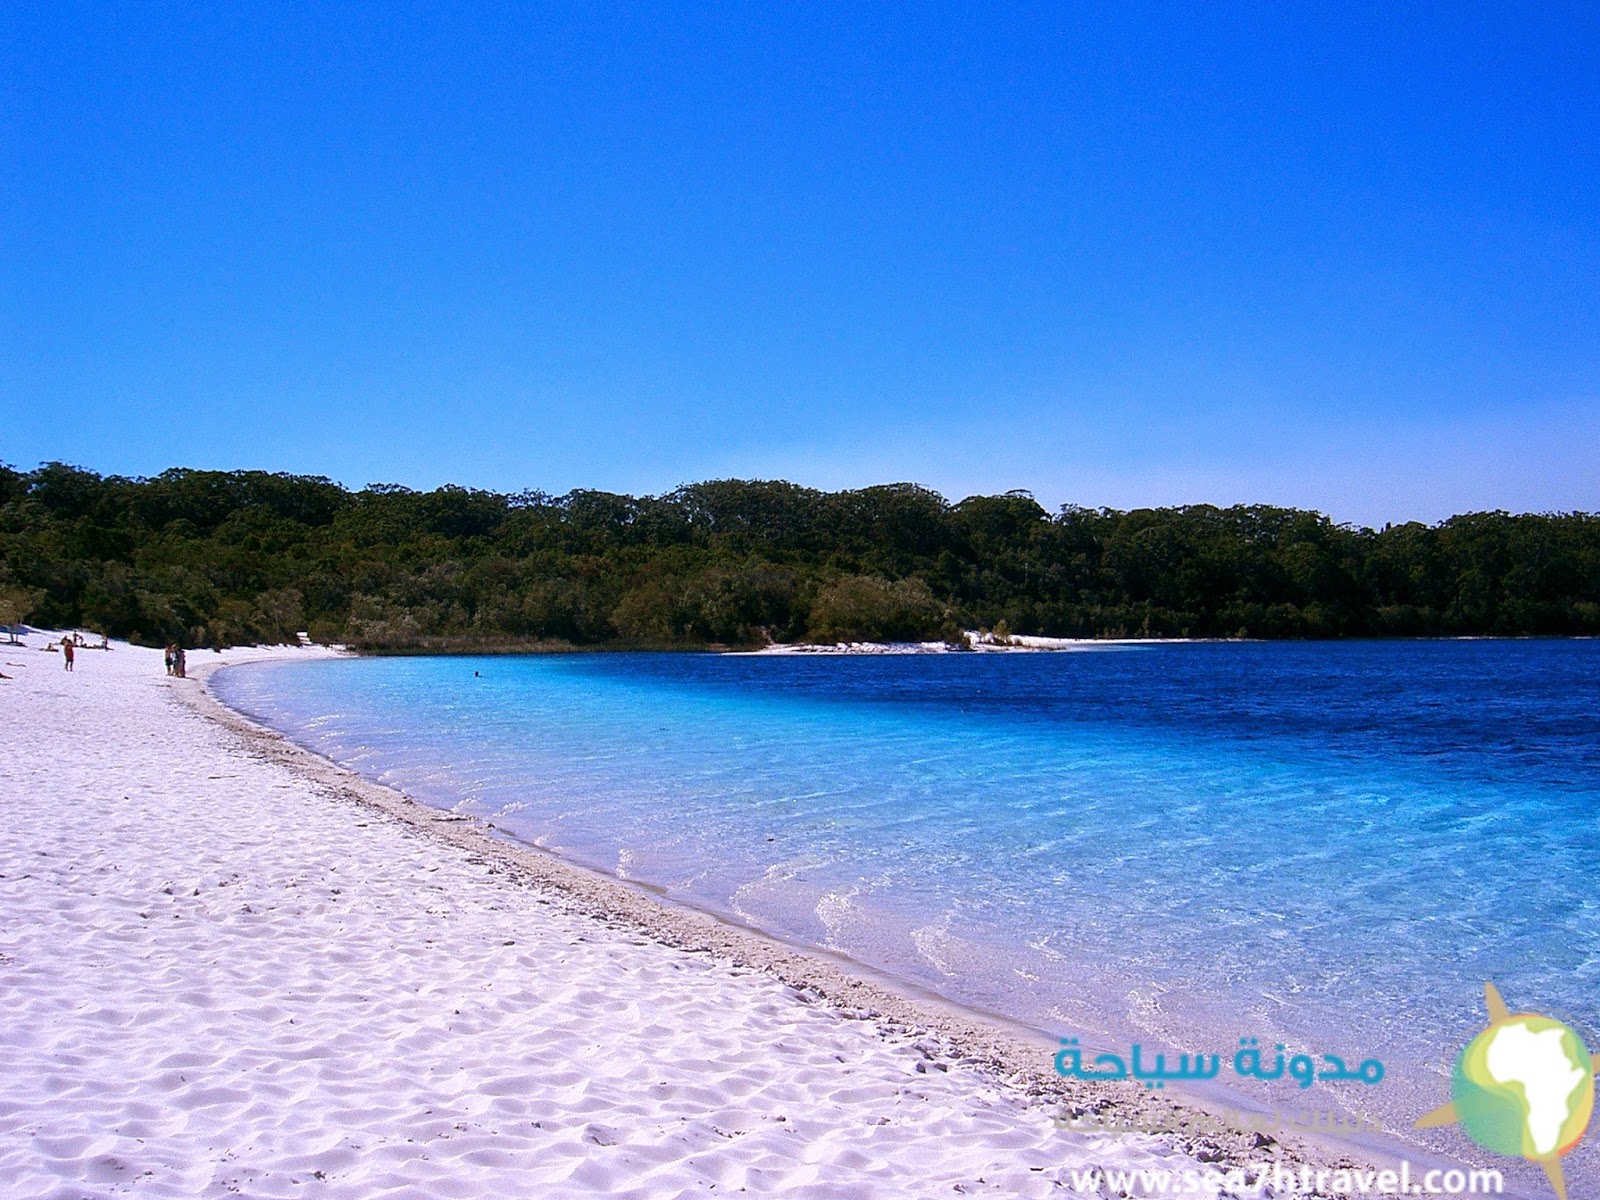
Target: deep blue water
1330, 844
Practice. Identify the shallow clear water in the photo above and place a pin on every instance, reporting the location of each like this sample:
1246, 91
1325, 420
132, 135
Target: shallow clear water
1330, 844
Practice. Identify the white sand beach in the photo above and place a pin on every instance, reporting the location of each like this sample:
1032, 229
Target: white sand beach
221, 974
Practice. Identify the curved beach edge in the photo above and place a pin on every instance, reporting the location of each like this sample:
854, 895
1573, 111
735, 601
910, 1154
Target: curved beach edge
1019, 1059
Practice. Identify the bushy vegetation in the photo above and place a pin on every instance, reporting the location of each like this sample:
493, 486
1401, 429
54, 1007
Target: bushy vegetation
214, 558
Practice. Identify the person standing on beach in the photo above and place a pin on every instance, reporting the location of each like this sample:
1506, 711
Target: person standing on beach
67, 651
178, 664
171, 656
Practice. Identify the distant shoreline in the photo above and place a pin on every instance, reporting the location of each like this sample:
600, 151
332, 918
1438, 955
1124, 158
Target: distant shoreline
1019, 643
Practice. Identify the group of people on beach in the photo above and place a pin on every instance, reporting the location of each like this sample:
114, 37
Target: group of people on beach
176, 660
69, 647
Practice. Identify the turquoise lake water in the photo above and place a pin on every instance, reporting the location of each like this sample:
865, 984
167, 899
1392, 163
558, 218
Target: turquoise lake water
1330, 845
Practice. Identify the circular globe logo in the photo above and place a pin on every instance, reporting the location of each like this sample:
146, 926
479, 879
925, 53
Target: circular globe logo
1524, 1088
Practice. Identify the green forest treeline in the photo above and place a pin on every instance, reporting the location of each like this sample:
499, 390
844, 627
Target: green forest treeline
219, 558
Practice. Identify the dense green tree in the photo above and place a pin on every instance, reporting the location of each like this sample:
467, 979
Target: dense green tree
215, 557
872, 609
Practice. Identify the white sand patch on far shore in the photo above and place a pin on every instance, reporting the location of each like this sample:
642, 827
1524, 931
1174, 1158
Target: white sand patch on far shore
976, 640
219, 977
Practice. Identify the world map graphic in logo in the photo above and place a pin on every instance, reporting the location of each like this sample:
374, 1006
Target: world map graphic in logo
1524, 1088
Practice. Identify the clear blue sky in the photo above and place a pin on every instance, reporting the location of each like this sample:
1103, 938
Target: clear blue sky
1346, 257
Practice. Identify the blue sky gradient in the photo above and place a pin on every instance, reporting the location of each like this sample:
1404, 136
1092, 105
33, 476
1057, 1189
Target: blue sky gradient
1116, 254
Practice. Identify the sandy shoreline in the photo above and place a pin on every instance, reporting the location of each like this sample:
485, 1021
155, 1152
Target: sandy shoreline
671, 1053
979, 642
